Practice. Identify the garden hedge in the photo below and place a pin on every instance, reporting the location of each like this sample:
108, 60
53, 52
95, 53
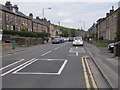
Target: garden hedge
24, 33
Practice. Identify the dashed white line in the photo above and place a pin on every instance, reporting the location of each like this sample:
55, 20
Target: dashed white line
16, 68
56, 48
12, 64
46, 53
76, 53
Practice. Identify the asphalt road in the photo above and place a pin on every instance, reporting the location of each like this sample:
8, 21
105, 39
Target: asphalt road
51, 66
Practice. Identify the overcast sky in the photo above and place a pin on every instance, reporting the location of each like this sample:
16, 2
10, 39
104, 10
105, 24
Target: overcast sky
69, 14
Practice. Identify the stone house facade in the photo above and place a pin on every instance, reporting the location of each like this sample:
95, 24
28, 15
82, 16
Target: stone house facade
13, 19
92, 31
107, 27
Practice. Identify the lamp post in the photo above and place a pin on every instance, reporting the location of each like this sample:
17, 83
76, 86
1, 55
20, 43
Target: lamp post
43, 13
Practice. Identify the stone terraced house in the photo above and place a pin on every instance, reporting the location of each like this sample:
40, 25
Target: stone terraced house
12, 19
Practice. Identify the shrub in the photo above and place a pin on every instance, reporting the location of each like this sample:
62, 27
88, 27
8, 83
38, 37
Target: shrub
24, 29
24, 33
40, 34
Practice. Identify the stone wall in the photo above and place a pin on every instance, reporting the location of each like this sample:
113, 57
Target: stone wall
6, 46
23, 40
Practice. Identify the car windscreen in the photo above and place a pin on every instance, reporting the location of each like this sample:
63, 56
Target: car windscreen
77, 38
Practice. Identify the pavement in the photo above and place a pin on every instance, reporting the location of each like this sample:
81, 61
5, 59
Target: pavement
106, 63
58, 66
16, 50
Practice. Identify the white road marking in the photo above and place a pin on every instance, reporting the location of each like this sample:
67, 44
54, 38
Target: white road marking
89, 52
62, 67
11, 64
56, 48
36, 73
76, 53
40, 73
76, 50
16, 67
60, 46
83, 50
25, 66
46, 53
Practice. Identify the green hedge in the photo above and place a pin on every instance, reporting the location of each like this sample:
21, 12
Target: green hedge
24, 33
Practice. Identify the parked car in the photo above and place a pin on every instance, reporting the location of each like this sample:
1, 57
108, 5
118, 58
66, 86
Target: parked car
61, 40
78, 41
65, 39
56, 41
71, 39
111, 47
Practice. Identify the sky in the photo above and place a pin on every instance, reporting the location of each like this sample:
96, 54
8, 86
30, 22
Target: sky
71, 14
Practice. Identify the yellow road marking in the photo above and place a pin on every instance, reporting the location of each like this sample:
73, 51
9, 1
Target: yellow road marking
85, 74
91, 76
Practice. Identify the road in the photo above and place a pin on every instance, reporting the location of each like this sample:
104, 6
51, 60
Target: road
51, 66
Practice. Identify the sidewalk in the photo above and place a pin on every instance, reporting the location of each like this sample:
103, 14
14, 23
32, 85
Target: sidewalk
106, 63
18, 49
12, 51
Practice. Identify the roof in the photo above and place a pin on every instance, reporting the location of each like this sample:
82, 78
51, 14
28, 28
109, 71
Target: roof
2, 7
18, 13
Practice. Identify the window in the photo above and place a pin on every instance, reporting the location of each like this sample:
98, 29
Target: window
7, 17
11, 27
7, 27
15, 19
11, 18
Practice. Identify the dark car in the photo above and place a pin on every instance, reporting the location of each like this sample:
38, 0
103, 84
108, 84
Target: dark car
55, 41
111, 47
71, 39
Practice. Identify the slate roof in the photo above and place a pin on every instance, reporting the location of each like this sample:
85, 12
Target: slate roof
18, 13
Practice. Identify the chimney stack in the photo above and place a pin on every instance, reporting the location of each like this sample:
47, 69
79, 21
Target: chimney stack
16, 8
8, 5
37, 18
111, 11
31, 15
107, 14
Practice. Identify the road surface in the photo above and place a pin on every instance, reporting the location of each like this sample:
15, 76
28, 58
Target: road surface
51, 66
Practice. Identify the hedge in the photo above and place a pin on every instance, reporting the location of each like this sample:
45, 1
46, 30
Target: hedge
24, 33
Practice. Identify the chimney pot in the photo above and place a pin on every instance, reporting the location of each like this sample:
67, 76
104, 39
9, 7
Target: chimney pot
31, 15
107, 14
16, 7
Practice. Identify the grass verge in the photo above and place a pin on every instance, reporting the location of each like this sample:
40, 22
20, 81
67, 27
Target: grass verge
101, 44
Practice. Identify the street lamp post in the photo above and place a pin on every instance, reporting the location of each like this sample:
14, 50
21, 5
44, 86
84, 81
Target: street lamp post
43, 13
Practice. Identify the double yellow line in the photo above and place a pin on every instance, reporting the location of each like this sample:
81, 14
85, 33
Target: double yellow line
85, 61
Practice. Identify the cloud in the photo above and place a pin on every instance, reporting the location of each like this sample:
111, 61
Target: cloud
67, 21
62, 0
62, 14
